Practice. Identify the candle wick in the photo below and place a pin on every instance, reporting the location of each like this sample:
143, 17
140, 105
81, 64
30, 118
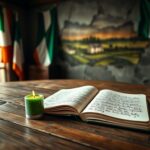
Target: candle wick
33, 93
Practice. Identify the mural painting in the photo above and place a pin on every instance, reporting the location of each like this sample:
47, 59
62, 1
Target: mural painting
100, 39
108, 36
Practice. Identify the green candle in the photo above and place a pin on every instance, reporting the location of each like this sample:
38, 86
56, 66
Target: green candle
34, 106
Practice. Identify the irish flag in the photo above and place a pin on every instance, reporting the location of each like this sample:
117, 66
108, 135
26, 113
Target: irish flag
17, 50
43, 53
5, 35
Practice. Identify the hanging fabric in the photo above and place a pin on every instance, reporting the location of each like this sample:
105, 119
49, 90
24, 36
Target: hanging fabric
5, 35
17, 50
11, 52
46, 37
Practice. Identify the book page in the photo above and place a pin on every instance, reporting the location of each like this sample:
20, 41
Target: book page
76, 97
120, 105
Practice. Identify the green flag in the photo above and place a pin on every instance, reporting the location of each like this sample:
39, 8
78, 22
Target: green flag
5, 35
47, 37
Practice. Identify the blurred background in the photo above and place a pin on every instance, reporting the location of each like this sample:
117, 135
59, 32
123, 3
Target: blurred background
82, 39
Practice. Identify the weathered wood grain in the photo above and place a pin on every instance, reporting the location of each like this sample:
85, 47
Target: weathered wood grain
62, 132
25, 138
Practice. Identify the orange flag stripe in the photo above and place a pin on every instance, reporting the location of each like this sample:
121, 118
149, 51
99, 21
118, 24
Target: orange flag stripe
6, 54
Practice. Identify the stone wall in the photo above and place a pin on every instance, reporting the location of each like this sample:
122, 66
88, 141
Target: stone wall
100, 41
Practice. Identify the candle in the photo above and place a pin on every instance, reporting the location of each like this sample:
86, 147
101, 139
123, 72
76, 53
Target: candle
34, 106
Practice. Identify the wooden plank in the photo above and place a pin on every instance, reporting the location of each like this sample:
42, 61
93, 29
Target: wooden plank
25, 138
58, 84
71, 130
94, 136
16, 93
55, 85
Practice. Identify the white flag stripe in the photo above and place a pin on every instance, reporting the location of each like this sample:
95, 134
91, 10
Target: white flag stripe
43, 53
18, 55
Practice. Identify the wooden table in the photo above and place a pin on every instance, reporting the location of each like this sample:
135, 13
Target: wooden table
62, 132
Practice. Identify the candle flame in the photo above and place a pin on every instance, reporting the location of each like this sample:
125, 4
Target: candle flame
33, 93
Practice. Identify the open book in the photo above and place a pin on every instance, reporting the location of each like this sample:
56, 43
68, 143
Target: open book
105, 106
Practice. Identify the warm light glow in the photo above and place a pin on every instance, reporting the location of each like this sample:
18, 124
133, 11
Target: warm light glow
0, 54
33, 93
